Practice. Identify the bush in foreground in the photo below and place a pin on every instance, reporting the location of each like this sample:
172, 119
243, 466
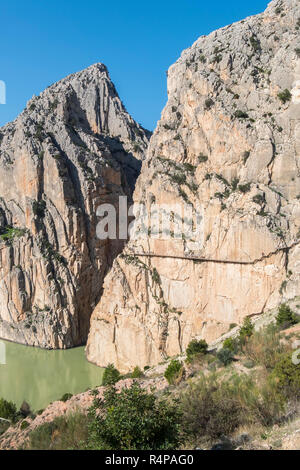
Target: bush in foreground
68, 432
133, 419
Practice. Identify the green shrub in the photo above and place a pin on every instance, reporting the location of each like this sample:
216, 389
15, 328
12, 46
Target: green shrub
258, 199
173, 371
244, 188
24, 425
285, 96
231, 344
225, 356
196, 347
255, 43
286, 317
134, 420
38, 208
241, 114
297, 50
9, 233
286, 376
178, 178
207, 411
264, 347
111, 375
208, 104
8, 410
213, 407
246, 330
4, 425
249, 364
137, 373
202, 158
66, 397
69, 432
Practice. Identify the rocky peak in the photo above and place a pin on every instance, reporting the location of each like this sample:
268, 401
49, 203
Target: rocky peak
71, 149
88, 100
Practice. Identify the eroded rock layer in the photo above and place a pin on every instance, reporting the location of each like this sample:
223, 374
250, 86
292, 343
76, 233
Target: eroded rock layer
73, 148
228, 142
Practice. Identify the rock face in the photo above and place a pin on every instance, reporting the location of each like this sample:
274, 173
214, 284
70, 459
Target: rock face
73, 148
228, 143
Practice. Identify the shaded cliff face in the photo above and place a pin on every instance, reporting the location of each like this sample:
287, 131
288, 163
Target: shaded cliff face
229, 143
73, 148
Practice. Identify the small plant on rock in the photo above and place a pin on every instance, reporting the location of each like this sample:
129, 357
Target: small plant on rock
225, 356
230, 344
173, 371
137, 373
208, 104
66, 397
246, 330
285, 96
195, 348
286, 317
111, 375
241, 114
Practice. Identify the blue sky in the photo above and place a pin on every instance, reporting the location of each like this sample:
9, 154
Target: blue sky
44, 41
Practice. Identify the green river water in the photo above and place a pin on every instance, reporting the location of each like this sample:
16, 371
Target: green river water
40, 376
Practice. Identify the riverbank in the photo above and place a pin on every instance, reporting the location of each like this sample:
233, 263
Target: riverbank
243, 393
41, 376
15, 437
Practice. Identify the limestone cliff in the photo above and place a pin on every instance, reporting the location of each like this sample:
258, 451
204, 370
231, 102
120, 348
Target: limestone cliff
71, 149
228, 142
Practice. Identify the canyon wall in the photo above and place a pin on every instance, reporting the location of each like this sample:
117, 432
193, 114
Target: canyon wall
73, 148
227, 144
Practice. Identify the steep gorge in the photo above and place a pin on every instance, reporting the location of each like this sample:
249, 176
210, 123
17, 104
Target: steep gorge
228, 144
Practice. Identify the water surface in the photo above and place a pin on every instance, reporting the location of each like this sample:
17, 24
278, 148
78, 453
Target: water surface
40, 376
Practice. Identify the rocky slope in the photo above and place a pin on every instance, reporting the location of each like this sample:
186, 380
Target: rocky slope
15, 438
72, 148
228, 143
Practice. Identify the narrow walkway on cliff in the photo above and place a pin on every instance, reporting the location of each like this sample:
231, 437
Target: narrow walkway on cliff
209, 260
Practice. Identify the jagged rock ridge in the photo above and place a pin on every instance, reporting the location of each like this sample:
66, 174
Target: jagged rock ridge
228, 141
72, 148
